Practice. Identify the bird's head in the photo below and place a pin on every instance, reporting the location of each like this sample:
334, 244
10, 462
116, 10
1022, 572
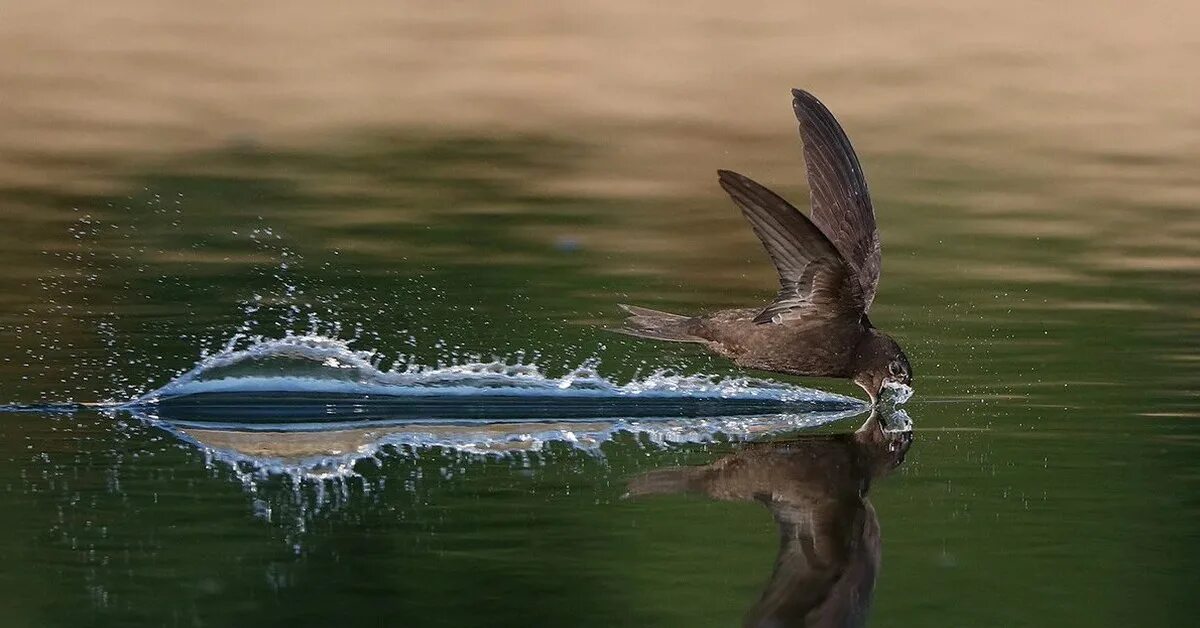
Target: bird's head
880, 362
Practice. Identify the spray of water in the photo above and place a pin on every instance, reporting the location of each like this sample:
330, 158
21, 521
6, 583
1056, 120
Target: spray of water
316, 364
311, 406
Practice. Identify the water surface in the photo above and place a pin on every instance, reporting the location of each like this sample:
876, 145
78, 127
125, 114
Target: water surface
440, 187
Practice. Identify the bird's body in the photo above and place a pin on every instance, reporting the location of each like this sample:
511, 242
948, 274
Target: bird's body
819, 349
828, 269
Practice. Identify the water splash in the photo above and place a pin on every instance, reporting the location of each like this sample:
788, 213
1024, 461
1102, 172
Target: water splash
896, 394
294, 473
897, 421
313, 407
308, 424
321, 365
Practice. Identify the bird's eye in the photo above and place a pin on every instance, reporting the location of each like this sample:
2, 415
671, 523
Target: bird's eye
895, 368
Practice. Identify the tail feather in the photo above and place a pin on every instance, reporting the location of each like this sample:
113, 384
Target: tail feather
644, 322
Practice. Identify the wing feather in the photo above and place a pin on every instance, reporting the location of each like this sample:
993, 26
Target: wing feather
815, 281
841, 204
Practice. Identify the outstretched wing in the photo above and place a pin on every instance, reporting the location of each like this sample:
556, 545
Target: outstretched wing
815, 282
841, 205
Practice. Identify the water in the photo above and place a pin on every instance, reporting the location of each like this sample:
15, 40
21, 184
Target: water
291, 405
444, 207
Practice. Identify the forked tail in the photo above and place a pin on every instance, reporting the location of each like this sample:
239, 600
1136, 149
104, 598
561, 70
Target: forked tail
644, 322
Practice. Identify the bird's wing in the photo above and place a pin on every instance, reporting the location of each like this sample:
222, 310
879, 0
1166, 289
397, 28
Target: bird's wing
815, 281
841, 205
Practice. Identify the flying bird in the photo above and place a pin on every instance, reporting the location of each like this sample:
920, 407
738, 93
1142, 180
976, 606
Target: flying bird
828, 267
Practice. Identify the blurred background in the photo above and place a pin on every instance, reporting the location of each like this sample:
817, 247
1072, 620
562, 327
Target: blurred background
120, 85
1069, 133
438, 179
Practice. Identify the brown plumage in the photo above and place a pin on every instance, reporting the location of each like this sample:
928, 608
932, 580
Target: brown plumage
828, 273
816, 488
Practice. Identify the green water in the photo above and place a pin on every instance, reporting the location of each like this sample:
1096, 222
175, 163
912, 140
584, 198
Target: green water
1044, 286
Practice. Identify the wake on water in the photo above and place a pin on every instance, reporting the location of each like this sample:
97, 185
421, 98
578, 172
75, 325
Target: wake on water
317, 364
322, 417
252, 406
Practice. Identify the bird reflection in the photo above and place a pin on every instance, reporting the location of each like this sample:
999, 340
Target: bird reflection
816, 488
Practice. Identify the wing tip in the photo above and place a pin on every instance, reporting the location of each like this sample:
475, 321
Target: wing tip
751, 196
732, 181
804, 104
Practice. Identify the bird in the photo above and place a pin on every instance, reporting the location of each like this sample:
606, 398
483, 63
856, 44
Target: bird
828, 266
815, 486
